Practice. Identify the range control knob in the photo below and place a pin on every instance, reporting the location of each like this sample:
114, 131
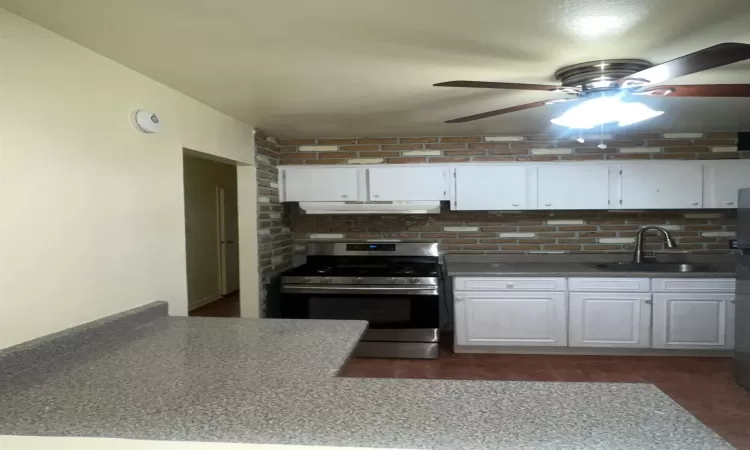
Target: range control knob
357, 280
392, 280
327, 280
413, 281
306, 280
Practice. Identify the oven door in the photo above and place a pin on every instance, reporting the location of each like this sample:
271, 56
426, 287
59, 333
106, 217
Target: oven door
384, 307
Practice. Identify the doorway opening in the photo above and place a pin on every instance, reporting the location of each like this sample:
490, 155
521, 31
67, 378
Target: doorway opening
211, 236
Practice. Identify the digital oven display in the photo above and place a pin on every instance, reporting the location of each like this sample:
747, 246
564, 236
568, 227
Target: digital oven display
371, 247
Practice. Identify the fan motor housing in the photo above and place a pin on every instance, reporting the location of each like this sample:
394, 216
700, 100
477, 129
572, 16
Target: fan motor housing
601, 75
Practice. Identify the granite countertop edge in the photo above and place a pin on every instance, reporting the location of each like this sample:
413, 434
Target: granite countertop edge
572, 269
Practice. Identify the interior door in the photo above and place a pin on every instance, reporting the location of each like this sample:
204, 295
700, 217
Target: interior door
575, 186
610, 319
229, 254
657, 185
722, 180
500, 188
408, 183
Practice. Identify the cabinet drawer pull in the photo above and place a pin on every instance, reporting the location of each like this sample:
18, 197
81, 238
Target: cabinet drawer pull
728, 203
648, 302
376, 196
694, 203
516, 204
548, 204
344, 196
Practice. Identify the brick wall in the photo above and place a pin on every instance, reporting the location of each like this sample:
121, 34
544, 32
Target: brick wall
274, 234
457, 149
533, 231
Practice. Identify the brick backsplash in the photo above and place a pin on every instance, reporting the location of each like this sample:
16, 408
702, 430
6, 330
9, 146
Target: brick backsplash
457, 149
274, 233
699, 231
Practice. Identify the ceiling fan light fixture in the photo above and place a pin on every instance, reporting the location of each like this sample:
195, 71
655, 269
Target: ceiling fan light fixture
601, 110
631, 113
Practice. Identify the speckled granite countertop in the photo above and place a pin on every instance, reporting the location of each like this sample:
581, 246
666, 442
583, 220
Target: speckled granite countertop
571, 269
274, 381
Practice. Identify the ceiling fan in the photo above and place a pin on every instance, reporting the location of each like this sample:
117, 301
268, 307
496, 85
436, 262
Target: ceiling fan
599, 87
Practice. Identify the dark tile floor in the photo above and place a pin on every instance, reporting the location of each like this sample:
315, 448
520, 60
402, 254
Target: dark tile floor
703, 386
227, 306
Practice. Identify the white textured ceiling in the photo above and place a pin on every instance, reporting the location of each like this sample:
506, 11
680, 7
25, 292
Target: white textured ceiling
330, 68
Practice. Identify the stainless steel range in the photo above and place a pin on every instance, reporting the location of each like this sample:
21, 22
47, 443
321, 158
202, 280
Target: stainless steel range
394, 286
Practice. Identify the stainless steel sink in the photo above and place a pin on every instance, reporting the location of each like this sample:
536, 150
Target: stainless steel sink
653, 267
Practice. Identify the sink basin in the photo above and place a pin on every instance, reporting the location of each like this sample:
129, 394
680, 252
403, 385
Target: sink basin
653, 267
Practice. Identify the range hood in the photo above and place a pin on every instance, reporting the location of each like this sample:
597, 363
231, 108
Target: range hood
370, 207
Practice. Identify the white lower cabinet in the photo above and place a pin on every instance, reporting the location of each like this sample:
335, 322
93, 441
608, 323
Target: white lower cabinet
511, 318
609, 319
660, 313
694, 321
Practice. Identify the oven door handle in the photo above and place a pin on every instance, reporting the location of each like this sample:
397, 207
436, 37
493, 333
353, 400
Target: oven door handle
356, 289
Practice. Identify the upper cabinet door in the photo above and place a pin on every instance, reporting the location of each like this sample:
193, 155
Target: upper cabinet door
320, 184
408, 183
495, 187
722, 180
575, 185
661, 185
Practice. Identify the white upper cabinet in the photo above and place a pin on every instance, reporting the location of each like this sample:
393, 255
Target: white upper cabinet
575, 185
485, 188
662, 185
722, 179
527, 186
411, 183
326, 184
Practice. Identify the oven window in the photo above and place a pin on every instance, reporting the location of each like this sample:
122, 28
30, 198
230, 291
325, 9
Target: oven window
390, 311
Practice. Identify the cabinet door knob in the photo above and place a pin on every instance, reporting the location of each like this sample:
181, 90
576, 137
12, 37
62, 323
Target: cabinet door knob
510, 285
732, 301
649, 302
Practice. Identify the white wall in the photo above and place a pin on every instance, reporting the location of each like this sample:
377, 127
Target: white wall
91, 211
202, 177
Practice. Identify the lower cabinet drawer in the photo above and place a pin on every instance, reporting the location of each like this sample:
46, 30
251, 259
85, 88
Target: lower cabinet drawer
693, 284
609, 285
509, 284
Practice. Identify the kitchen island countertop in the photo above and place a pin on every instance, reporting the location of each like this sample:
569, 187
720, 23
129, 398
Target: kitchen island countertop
274, 381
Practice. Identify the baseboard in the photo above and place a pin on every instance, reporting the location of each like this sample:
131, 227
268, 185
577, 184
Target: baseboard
590, 351
204, 301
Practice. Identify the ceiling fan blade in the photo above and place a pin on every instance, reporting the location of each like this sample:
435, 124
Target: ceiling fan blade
497, 85
708, 58
697, 90
497, 112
